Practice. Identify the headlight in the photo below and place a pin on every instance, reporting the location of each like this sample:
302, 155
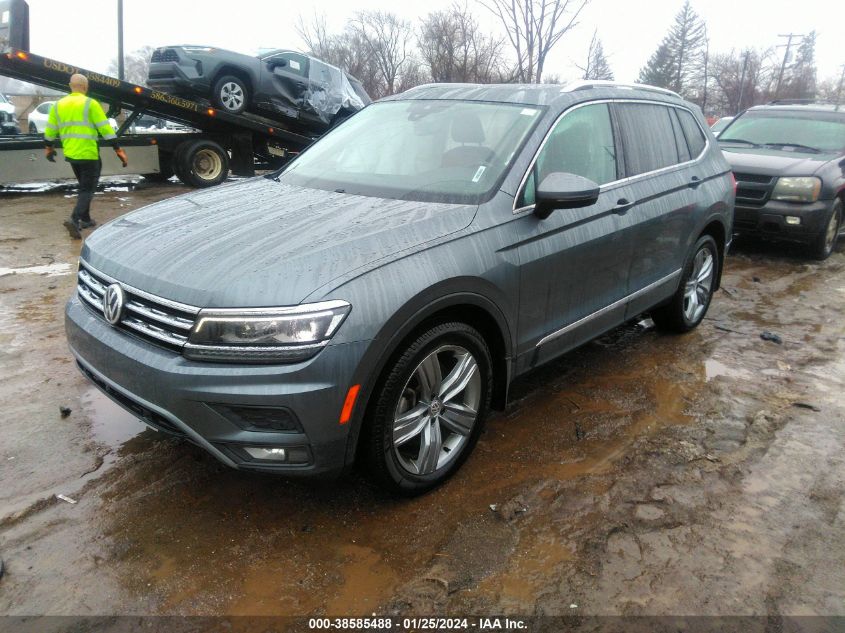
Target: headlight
804, 189
265, 335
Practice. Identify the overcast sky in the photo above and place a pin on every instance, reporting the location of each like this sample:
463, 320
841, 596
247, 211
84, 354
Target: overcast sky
84, 33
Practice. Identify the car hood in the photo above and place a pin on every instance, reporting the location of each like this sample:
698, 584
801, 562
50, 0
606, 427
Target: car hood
773, 162
261, 243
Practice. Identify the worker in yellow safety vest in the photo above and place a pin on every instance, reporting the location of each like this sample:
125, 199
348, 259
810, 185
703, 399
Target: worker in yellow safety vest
78, 120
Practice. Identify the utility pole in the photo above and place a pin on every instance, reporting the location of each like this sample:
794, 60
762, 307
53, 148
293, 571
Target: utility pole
742, 83
120, 39
706, 61
839, 89
788, 45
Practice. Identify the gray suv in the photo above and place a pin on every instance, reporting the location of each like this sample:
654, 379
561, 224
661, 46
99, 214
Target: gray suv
374, 299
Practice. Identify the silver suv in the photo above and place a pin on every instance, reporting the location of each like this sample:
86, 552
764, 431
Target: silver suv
375, 299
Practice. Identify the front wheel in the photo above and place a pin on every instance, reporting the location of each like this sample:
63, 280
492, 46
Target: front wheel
687, 307
822, 246
430, 408
33, 129
231, 94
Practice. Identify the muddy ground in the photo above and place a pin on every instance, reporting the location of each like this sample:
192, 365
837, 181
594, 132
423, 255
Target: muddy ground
641, 474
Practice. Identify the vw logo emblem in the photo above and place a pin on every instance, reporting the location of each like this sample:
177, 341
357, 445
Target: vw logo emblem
113, 302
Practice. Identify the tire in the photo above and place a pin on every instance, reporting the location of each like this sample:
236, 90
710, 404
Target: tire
33, 129
687, 307
442, 434
230, 94
201, 163
823, 244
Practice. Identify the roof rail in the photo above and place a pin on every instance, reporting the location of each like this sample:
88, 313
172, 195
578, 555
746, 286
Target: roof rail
586, 84
802, 102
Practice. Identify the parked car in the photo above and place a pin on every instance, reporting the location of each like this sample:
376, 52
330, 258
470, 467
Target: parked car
286, 85
37, 119
8, 120
375, 298
720, 124
788, 161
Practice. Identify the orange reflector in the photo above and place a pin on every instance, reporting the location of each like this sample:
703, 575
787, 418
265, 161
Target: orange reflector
153, 141
210, 111
21, 54
269, 129
138, 89
349, 403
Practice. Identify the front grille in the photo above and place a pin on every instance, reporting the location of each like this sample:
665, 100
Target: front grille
165, 55
758, 178
161, 321
753, 190
133, 406
751, 194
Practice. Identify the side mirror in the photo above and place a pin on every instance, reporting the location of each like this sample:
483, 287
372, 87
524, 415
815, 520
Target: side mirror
276, 63
561, 190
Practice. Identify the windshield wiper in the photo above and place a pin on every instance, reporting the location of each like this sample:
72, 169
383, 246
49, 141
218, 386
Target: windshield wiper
737, 140
812, 150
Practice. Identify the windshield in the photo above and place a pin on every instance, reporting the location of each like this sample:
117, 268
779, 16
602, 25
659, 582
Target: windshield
3, 98
721, 124
796, 131
446, 151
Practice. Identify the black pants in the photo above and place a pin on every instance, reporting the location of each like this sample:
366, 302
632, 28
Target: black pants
88, 174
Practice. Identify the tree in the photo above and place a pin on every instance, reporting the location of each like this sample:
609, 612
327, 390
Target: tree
742, 79
533, 28
345, 50
454, 49
136, 65
677, 62
659, 70
597, 66
801, 78
387, 38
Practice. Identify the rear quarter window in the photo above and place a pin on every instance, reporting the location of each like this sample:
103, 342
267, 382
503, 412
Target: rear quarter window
695, 137
648, 137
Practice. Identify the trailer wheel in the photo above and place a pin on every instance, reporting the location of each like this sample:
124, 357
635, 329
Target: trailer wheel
231, 94
201, 163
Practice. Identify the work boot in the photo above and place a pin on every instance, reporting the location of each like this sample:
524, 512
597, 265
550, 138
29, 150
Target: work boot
73, 228
87, 224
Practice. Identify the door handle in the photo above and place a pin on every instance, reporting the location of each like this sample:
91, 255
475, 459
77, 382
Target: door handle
694, 182
622, 206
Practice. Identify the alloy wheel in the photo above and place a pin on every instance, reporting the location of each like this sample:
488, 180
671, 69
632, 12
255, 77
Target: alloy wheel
231, 95
699, 285
437, 410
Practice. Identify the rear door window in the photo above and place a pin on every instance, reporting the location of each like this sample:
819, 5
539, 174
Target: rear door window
648, 137
581, 143
695, 137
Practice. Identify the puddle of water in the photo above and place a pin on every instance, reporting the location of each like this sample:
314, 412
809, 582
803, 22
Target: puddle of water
51, 270
714, 368
110, 424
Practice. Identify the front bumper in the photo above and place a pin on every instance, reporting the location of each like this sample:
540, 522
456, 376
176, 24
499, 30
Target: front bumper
769, 220
180, 78
173, 394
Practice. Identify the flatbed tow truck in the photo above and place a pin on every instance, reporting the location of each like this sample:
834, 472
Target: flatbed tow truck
219, 143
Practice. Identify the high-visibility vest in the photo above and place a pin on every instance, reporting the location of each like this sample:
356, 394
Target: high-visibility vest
78, 120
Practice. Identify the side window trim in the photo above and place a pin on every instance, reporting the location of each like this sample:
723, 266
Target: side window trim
623, 180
